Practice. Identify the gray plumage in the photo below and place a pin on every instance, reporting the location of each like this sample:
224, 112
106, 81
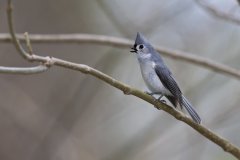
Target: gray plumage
158, 77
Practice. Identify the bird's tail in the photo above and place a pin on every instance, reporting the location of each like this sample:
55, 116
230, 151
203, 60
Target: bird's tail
191, 111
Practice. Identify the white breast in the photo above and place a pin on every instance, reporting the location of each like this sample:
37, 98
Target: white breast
151, 79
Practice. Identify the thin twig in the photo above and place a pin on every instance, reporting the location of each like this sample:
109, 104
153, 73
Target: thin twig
23, 70
11, 29
28, 43
126, 43
223, 143
219, 13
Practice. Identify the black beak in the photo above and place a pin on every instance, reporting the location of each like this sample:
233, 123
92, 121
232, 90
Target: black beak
133, 50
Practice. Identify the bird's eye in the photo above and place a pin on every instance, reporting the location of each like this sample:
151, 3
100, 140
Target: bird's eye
140, 46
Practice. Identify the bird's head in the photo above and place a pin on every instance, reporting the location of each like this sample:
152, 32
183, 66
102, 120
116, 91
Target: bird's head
141, 46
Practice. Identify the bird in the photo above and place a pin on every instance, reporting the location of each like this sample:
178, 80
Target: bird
158, 78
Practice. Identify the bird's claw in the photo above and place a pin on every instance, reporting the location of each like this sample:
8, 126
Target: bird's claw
160, 100
156, 100
163, 101
149, 93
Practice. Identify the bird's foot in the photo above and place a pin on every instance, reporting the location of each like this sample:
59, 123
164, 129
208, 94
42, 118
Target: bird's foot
163, 101
149, 93
159, 100
156, 99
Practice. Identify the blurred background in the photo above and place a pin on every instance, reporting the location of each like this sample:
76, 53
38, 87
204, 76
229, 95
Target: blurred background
66, 115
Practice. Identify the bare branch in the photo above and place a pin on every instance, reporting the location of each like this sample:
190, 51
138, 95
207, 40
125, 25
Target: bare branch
23, 53
11, 30
71, 38
223, 143
125, 43
23, 70
219, 13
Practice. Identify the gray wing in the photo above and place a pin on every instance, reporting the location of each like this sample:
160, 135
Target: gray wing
169, 82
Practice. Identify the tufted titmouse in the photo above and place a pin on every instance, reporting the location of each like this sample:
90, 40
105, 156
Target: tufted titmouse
158, 77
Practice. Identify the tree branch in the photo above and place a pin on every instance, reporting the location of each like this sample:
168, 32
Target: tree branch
223, 143
23, 70
219, 13
126, 43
